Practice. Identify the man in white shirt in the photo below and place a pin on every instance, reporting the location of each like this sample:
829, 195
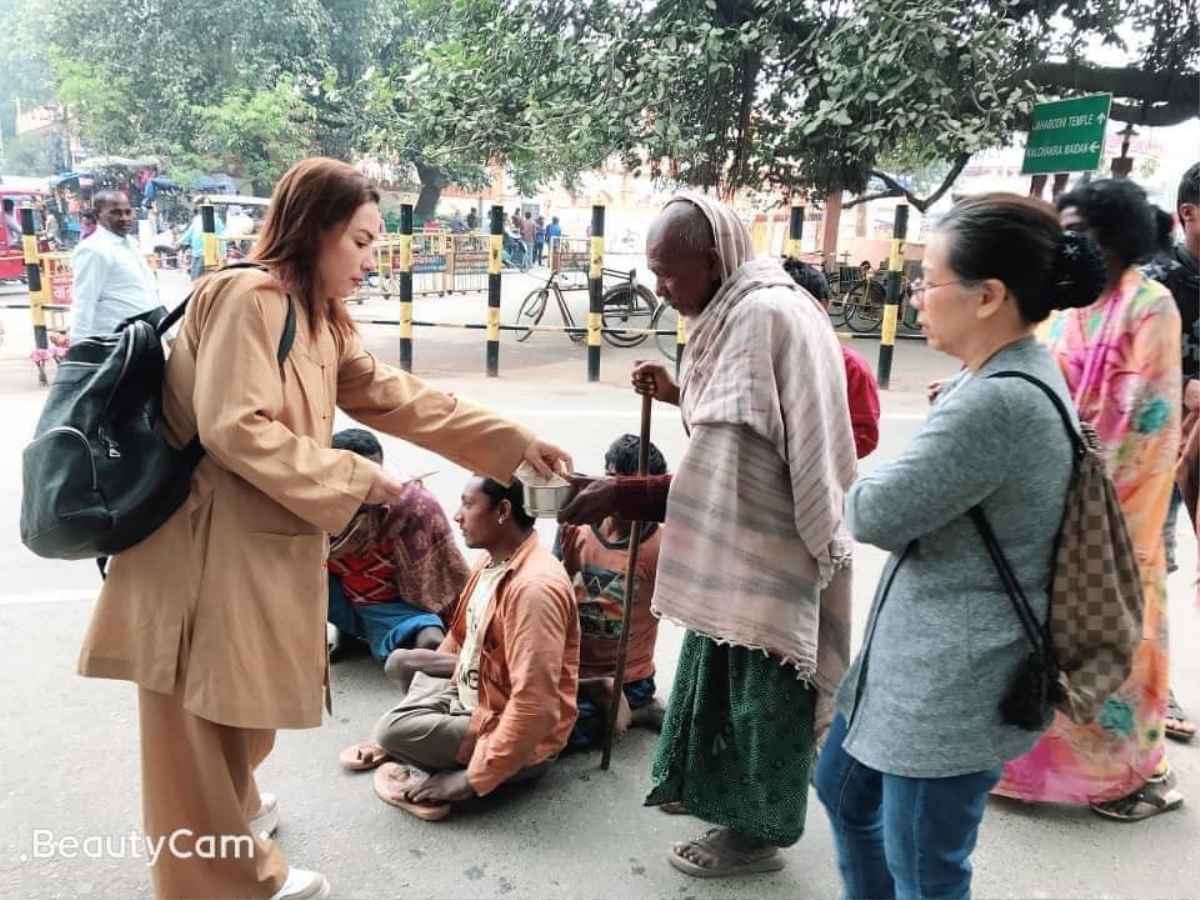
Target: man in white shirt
12, 225
111, 280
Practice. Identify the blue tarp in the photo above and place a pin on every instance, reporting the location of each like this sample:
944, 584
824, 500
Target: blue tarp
215, 184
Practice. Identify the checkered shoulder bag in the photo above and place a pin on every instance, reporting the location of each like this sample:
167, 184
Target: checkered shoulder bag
1096, 599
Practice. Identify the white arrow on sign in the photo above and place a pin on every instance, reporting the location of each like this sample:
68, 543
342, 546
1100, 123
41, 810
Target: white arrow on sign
1095, 146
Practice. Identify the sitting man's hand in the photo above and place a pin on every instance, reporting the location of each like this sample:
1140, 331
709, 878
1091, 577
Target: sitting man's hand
443, 787
593, 502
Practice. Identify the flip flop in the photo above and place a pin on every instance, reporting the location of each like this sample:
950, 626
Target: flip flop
1155, 797
363, 756
393, 781
673, 808
729, 862
1176, 714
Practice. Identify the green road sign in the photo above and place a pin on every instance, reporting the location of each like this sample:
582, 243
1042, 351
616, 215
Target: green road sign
1067, 135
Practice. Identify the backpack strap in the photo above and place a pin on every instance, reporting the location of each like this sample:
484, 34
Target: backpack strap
1037, 634
194, 451
289, 333
1076, 439
177, 313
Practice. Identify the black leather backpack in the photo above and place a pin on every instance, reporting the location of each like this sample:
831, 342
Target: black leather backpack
98, 476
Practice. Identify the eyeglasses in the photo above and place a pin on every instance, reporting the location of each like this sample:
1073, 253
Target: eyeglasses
919, 287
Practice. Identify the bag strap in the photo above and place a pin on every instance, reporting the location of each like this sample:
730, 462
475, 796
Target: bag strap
869, 638
1035, 632
194, 451
1076, 439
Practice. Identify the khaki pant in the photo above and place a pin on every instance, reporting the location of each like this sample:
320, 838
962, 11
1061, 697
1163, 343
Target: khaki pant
427, 729
198, 793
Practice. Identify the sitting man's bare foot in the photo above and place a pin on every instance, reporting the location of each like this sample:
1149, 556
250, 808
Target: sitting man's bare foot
651, 715
601, 692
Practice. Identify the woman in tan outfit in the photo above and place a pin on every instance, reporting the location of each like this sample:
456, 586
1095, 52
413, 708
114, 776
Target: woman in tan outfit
219, 616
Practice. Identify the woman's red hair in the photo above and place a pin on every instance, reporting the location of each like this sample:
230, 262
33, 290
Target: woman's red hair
314, 197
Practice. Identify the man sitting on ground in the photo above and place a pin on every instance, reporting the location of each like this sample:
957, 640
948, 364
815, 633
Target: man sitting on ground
595, 557
496, 703
394, 568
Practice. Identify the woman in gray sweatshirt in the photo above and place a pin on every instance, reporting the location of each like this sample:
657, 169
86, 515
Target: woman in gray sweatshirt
919, 739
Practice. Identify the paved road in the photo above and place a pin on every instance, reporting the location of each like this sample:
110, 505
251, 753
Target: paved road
69, 746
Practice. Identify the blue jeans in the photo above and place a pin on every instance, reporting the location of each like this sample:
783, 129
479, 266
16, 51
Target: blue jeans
384, 626
900, 837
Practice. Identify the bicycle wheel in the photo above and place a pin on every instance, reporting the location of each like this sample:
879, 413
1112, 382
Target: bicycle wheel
532, 308
666, 319
836, 310
864, 307
626, 308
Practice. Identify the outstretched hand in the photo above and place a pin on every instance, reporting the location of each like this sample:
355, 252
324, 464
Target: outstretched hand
594, 501
547, 459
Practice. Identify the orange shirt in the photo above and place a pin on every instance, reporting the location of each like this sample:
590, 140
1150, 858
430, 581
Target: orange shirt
528, 667
597, 569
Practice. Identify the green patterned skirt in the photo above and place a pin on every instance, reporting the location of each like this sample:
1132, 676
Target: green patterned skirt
737, 742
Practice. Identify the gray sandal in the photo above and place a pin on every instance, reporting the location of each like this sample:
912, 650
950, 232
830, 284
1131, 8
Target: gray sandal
729, 862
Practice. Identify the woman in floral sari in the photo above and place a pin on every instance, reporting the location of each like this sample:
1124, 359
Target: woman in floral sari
1121, 360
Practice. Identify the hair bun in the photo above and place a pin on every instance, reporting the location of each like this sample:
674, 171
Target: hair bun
1079, 272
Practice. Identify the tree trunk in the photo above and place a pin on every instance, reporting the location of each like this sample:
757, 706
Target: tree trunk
432, 182
830, 222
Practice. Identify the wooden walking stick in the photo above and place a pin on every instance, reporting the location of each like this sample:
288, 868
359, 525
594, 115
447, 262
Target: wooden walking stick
631, 587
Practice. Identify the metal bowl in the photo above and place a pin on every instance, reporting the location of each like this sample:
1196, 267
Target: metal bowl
544, 501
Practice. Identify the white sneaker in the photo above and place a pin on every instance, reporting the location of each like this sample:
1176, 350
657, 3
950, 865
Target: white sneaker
333, 637
302, 884
266, 820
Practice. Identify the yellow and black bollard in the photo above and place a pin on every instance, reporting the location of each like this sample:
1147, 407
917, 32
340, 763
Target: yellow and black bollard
595, 293
404, 285
33, 275
495, 264
891, 308
795, 229
208, 224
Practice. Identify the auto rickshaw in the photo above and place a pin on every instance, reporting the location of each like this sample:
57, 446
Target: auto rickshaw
12, 251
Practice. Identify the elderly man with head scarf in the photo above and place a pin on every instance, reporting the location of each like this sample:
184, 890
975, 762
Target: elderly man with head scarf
755, 561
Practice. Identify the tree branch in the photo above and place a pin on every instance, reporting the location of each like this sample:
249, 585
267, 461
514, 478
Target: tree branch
896, 189
1166, 98
867, 198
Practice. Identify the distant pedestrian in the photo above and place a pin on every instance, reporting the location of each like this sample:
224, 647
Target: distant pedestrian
554, 234
528, 238
539, 240
12, 226
193, 237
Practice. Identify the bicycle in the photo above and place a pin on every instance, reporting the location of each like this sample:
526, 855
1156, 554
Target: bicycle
625, 306
865, 303
666, 319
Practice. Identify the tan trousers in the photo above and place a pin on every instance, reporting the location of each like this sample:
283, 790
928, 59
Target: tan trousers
428, 727
198, 793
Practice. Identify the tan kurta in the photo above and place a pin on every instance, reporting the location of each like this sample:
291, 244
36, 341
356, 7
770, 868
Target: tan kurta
227, 601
